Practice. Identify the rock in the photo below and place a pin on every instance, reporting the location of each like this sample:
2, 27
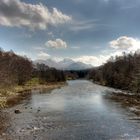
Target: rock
17, 111
44, 118
3, 134
35, 128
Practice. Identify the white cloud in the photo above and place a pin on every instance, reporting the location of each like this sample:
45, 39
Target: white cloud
43, 56
120, 45
14, 13
58, 43
83, 25
86, 59
125, 43
93, 60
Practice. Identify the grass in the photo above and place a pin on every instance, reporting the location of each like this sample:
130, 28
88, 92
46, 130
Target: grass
12, 93
33, 82
3, 102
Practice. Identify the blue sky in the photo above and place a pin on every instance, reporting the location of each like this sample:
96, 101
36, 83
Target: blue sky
89, 31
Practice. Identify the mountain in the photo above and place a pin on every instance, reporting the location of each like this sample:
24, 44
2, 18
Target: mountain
65, 64
50, 63
78, 66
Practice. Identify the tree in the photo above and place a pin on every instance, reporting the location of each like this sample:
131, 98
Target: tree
121, 72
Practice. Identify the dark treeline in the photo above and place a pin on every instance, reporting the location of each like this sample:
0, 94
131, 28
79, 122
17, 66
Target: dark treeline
76, 74
17, 70
121, 72
46, 74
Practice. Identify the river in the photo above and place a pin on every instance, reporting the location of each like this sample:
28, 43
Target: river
77, 111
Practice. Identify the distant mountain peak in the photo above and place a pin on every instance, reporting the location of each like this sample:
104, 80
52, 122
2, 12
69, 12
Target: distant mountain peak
65, 64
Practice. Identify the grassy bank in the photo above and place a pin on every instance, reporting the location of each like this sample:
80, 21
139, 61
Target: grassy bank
13, 94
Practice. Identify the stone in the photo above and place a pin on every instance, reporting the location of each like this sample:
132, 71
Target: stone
17, 111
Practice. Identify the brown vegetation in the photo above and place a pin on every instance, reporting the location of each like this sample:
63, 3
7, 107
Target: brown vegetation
121, 72
14, 69
18, 73
132, 102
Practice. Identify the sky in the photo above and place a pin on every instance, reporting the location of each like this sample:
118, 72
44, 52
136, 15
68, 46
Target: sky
89, 31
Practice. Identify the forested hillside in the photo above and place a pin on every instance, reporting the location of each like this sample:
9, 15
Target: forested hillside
121, 72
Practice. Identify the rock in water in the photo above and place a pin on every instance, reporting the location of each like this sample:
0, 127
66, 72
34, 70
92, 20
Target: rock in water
17, 111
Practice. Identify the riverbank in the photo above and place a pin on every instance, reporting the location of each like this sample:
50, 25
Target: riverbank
130, 101
126, 98
12, 95
122, 91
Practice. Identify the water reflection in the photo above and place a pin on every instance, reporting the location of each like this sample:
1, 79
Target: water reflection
69, 98
82, 111
55, 102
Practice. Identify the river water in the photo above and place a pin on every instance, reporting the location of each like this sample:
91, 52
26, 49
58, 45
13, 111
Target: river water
78, 111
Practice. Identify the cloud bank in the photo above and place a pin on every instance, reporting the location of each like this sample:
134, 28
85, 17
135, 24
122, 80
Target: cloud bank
120, 45
93, 60
43, 56
57, 44
125, 43
14, 13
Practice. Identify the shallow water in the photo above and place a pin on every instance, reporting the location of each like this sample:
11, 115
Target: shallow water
78, 111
